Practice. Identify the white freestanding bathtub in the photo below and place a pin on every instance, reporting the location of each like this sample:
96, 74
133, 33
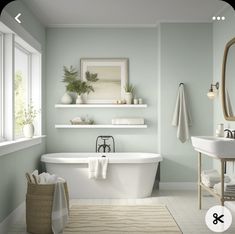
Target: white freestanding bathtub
129, 175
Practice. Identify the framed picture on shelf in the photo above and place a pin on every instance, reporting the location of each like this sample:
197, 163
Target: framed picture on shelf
113, 76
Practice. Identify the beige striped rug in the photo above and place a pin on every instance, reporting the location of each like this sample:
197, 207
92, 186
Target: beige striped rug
116, 219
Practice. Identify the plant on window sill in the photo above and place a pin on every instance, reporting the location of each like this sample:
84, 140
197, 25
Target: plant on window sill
26, 118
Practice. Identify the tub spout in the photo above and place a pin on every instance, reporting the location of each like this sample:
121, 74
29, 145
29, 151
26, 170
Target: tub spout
105, 147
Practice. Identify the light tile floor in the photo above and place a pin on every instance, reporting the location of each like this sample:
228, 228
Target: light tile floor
182, 205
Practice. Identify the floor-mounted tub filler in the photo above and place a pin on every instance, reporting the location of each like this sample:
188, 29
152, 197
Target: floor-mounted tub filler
129, 175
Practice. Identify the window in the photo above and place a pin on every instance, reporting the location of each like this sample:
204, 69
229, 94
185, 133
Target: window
22, 86
1, 87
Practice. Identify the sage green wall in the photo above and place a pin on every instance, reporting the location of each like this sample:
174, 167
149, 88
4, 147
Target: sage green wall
185, 56
13, 166
223, 31
65, 46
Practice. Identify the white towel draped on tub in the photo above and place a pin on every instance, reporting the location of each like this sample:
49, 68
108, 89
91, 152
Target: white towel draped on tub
103, 165
92, 167
181, 117
97, 167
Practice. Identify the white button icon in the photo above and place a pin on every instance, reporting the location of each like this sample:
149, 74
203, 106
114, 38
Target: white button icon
17, 18
218, 218
218, 18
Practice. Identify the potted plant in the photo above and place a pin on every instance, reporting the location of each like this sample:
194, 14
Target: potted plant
129, 90
76, 85
70, 74
26, 118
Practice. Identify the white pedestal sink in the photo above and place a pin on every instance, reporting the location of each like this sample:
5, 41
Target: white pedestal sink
214, 146
222, 149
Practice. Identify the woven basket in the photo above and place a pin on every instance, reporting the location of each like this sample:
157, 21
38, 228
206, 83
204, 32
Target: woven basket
39, 200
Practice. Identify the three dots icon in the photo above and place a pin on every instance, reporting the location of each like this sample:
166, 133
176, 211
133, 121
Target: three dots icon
218, 18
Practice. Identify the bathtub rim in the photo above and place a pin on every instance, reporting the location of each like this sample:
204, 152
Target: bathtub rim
57, 159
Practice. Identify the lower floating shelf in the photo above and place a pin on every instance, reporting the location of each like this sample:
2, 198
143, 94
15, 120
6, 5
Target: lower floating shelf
100, 126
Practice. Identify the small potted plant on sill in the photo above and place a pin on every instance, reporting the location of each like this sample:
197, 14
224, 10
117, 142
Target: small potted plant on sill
76, 85
26, 118
129, 90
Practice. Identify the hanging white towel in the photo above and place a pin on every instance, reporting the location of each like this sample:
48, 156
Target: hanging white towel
97, 167
181, 117
59, 216
93, 167
103, 164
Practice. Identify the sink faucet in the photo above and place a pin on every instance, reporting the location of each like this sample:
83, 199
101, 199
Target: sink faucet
229, 133
104, 147
233, 134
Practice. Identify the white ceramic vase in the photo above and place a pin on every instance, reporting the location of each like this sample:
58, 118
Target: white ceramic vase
128, 98
28, 130
79, 99
66, 99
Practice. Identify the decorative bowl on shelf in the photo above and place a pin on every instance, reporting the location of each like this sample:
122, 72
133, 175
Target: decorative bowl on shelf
81, 121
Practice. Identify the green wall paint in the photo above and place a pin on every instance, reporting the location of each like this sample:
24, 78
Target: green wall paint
13, 166
184, 48
185, 56
66, 47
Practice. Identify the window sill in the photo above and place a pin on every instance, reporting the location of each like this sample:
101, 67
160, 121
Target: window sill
7, 147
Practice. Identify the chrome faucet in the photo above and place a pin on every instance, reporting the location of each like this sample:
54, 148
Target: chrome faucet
105, 147
229, 133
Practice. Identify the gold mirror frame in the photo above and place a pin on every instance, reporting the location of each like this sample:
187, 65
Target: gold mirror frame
225, 111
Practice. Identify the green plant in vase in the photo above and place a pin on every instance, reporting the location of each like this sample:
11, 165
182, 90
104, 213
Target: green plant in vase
70, 75
129, 90
76, 85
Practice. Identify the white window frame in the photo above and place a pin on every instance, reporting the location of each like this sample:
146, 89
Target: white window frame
1, 87
10, 38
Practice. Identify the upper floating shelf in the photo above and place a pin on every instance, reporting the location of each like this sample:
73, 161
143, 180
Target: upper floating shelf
99, 126
100, 106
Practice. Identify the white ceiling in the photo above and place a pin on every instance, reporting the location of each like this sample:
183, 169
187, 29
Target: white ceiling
54, 13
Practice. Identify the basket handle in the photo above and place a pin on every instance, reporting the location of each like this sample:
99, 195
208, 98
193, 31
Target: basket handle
28, 177
35, 179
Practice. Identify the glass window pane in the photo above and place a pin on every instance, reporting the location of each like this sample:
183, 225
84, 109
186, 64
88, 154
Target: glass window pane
21, 87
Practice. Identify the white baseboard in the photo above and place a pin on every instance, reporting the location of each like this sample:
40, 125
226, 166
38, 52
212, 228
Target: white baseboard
12, 218
177, 185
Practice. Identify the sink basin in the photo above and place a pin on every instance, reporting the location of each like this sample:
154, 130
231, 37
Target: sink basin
214, 146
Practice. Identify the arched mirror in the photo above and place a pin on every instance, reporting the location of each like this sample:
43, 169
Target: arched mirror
228, 81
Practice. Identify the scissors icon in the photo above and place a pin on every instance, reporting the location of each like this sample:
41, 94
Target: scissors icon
217, 218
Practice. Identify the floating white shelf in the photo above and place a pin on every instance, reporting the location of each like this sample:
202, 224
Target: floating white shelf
100, 106
99, 126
